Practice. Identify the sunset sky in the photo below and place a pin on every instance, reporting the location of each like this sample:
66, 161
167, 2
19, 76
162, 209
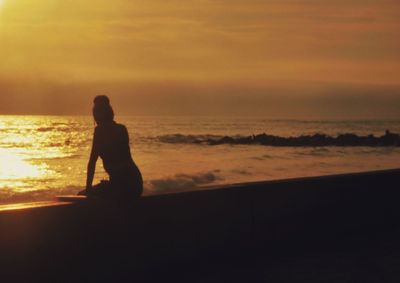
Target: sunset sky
279, 58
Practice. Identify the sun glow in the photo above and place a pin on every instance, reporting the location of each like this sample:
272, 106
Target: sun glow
34, 152
14, 170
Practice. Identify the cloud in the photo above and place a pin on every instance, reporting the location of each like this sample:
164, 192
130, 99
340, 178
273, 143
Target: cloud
202, 48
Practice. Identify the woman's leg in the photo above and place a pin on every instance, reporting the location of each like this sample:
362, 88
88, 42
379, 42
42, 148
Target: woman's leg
128, 184
103, 189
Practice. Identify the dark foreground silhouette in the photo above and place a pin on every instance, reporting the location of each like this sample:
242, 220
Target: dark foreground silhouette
349, 139
111, 144
328, 229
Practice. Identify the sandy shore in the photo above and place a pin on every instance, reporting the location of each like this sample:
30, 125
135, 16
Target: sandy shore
341, 228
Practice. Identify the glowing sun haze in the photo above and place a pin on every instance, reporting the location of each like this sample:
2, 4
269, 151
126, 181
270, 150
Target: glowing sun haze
286, 58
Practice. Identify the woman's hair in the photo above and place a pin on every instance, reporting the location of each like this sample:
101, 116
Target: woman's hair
102, 110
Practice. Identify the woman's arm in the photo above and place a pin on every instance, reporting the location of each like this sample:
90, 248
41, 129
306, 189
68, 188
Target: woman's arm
92, 163
90, 171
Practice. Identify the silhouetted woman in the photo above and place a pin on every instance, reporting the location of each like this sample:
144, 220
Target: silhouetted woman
111, 144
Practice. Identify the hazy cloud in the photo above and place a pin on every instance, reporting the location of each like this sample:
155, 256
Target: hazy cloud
211, 50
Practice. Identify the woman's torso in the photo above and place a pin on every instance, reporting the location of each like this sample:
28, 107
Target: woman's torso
111, 141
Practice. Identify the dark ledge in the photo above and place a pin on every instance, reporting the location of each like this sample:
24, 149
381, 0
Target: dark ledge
299, 230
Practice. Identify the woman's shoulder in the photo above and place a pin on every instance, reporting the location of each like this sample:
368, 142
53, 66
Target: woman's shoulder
111, 128
109, 125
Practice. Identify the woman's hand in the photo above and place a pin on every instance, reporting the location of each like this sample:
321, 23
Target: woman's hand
82, 193
86, 192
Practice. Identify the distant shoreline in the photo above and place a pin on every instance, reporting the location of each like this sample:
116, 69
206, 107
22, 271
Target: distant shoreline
267, 118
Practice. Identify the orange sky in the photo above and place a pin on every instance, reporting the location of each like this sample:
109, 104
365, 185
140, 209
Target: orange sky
289, 58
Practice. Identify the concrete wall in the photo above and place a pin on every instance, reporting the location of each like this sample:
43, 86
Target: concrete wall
102, 240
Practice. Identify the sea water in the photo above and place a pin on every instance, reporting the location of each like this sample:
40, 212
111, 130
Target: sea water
44, 156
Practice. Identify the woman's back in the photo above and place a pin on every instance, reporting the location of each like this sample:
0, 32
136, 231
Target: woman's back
111, 141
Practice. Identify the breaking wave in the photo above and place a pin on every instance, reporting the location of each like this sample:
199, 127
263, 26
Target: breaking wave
179, 138
181, 182
347, 139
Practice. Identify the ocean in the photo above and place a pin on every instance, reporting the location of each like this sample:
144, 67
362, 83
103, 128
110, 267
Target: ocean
45, 156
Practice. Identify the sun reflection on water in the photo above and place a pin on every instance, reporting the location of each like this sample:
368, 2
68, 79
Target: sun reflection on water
13, 166
45, 156
15, 171
41, 154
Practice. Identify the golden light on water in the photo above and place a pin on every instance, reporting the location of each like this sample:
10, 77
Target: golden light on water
14, 170
12, 166
41, 154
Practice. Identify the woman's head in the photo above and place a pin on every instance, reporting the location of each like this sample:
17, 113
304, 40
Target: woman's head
102, 110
